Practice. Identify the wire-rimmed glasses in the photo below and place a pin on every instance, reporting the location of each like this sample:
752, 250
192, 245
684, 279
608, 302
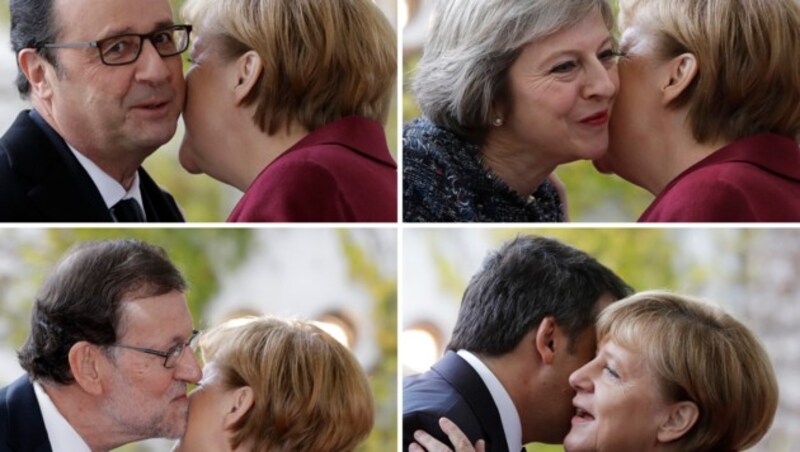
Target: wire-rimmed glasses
170, 356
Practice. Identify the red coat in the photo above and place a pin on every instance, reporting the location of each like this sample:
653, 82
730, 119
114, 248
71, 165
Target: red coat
755, 179
342, 171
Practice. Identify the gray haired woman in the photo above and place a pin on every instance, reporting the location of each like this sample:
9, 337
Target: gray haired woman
509, 89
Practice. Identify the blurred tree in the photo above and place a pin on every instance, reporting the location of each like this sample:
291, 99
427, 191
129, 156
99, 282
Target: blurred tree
198, 253
383, 377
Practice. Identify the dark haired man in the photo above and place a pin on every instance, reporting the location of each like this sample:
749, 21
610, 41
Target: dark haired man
526, 322
106, 359
106, 84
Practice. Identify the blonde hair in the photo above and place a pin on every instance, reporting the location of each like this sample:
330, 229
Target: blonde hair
704, 355
323, 60
748, 81
310, 393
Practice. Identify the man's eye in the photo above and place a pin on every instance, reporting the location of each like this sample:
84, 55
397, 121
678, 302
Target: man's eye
162, 38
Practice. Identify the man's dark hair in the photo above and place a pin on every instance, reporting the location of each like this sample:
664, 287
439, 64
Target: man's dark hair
33, 23
528, 279
82, 300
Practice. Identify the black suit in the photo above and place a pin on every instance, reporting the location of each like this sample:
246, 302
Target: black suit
453, 389
21, 425
42, 181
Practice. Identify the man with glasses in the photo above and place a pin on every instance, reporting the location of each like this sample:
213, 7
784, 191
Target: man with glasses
109, 355
105, 81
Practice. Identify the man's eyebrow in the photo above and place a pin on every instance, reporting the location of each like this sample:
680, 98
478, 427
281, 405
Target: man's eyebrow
128, 30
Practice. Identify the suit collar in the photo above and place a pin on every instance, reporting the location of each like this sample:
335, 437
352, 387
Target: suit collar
361, 135
25, 427
464, 379
37, 153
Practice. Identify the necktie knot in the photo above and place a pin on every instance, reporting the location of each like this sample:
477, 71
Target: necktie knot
127, 211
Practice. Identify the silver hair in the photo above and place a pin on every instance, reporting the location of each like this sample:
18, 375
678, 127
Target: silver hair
471, 46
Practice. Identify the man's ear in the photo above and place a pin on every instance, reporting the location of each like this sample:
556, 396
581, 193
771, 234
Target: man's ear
35, 68
85, 362
681, 418
248, 71
239, 402
546, 340
679, 74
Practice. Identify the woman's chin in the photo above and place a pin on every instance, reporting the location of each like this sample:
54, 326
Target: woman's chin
187, 160
602, 166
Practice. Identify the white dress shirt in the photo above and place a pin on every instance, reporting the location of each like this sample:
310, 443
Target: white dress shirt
111, 190
61, 435
512, 426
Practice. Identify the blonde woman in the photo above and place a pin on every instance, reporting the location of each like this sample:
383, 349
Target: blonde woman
671, 374
286, 101
277, 385
708, 113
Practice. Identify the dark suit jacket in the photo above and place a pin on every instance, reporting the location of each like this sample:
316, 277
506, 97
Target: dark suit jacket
755, 179
342, 171
453, 389
21, 425
42, 181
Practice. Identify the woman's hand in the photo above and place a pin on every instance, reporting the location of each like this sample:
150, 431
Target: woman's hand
456, 436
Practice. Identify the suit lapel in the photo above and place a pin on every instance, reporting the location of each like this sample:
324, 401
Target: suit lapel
26, 429
468, 383
61, 189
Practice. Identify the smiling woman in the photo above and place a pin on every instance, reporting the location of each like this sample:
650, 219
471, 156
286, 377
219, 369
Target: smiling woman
509, 90
672, 373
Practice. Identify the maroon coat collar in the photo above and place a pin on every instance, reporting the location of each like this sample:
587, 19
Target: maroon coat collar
772, 152
361, 135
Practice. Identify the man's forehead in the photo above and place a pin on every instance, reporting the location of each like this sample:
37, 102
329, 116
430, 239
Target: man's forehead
164, 317
95, 19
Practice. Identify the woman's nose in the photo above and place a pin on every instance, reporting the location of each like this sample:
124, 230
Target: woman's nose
601, 81
579, 380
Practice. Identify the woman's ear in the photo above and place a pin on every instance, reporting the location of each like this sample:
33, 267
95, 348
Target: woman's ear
248, 70
680, 73
240, 401
681, 418
84, 363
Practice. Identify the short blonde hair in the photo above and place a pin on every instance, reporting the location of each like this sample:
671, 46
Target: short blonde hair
310, 393
323, 60
748, 79
704, 355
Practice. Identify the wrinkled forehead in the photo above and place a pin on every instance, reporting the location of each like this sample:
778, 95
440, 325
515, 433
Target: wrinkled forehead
79, 20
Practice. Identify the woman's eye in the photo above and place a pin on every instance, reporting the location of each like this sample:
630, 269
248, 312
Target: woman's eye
564, 68
611, 372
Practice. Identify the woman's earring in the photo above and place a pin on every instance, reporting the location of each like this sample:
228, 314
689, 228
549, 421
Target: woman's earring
498, 121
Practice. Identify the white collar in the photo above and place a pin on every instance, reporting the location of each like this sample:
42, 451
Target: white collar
60, 433
111, 190
512, 426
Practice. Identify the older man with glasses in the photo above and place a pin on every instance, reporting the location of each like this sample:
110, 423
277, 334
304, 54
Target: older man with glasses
109, 355
105, 81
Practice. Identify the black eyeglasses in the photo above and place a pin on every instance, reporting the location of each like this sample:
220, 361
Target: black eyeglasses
126, 48
170, 356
